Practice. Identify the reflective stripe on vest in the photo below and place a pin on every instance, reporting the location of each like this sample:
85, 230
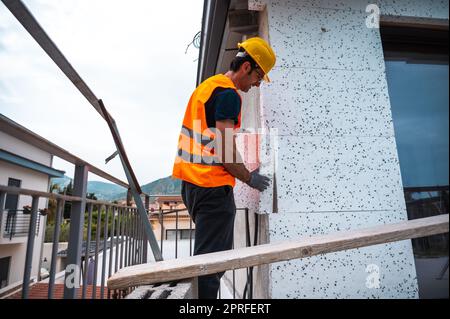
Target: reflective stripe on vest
196, 161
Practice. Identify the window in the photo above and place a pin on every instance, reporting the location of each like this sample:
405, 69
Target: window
11, 203
417, 74
419, 99
182, 234
12, 200
4, 271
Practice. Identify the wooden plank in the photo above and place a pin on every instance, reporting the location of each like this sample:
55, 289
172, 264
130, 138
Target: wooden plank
414, 22
195, 266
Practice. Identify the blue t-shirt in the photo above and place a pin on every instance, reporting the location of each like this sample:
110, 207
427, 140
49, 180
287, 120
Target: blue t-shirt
224, 104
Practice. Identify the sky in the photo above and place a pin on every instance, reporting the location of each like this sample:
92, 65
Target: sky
131, 54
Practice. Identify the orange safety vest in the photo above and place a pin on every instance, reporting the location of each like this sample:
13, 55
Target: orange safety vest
195, 161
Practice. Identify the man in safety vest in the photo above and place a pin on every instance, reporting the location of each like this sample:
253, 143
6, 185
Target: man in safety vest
205, 149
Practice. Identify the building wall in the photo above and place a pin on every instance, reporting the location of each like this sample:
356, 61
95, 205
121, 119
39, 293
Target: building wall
337, 162
170, 223
166, 203
16, 248
47, 255
30, 180
248, 143
18, 147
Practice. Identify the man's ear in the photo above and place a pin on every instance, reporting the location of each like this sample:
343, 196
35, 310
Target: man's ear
246, 67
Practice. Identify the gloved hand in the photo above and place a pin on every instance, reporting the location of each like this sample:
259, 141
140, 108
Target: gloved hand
258, 181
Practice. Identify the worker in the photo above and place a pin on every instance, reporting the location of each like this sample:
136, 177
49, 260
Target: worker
205, 149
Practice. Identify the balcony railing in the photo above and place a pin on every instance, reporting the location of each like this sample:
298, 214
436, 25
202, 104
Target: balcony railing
17, 222
424, 202
113, 238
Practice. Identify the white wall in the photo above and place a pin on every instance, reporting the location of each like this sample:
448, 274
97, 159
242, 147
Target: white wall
47, 254
30, 180
21, 148
338, 166
16, 248
16, 268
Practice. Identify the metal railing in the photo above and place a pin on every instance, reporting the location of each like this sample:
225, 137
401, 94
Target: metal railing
114, 237
17, 222
424, 202
173, 216
165, 214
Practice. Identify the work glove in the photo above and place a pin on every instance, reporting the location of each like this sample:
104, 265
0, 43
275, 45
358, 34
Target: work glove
258, 181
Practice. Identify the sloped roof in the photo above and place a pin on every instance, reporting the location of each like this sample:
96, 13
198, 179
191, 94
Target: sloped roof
18, 131
27, 163
63, 253
40, 291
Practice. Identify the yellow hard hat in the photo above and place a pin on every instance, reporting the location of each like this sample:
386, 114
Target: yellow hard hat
261, 52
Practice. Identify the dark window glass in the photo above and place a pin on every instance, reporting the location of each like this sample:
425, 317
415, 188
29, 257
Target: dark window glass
12, 199
182, 234
4, 271
417, 76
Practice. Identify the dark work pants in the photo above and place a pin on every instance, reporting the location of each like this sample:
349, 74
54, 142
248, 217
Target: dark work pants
212, 209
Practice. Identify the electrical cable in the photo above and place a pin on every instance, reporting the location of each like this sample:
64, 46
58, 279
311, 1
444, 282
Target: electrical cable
255, 242
195, 41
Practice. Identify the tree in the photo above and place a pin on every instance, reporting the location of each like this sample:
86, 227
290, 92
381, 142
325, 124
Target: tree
68, 190
91, 196
52, 204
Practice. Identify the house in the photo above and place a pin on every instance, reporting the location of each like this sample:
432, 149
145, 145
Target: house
169, 202
26, 165
174, 224
355, 120
26, 162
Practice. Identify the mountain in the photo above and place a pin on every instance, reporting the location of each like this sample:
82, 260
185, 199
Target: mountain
109, 191
61, 181
162, 186
104, 191
166, 186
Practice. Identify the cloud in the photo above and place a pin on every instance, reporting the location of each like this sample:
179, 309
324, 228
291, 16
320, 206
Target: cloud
132, 55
